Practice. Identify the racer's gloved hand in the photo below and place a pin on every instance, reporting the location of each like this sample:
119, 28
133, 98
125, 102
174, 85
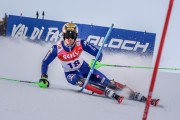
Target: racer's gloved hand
43, 82
97, 65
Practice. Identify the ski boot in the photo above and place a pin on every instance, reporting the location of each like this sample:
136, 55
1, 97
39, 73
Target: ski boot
138, 97
111, 94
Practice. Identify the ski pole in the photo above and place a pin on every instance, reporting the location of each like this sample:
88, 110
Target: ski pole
19, 80
98, 65
97, 56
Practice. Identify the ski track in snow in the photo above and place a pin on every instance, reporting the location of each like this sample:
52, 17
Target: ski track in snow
21, 60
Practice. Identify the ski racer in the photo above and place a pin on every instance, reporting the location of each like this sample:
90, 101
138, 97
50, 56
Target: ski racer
69, 52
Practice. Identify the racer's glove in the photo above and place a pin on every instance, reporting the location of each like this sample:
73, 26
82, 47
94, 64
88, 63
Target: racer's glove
97, 65
43, 82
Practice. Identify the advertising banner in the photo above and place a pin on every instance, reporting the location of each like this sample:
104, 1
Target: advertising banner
120, 40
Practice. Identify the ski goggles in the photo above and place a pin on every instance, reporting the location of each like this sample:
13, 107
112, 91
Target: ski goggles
70, 34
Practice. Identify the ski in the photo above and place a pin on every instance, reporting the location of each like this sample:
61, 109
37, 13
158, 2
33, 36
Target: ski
155, 102
118, 98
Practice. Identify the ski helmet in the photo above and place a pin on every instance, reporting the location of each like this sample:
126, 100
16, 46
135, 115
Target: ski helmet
70, 30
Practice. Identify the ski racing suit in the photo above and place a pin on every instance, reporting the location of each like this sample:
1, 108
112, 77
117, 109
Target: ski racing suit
72, 62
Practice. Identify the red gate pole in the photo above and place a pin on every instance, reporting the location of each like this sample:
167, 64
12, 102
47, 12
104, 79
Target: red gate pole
151, 88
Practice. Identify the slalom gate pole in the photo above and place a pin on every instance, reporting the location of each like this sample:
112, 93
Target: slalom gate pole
2, 78
158, 58
97, 56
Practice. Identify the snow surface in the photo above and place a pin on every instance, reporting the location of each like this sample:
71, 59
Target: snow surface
21, 60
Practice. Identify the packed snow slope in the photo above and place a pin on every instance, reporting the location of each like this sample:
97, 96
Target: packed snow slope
21, 60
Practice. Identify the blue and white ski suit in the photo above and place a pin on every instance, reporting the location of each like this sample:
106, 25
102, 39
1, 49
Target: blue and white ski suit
72, 62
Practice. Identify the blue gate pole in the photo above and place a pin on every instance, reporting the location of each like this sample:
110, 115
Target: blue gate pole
97, 56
